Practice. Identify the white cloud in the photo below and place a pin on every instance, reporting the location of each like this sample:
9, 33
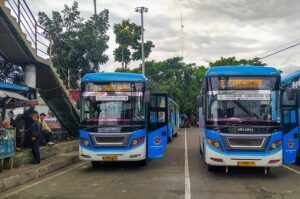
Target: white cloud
212, 29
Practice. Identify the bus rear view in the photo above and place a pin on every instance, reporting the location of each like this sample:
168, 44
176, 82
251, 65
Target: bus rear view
240, 116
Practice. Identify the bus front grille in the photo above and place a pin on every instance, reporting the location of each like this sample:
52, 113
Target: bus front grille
245, 142
110, 139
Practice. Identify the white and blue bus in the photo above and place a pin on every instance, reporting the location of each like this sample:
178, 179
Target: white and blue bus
291, 109
240, 118
124, 117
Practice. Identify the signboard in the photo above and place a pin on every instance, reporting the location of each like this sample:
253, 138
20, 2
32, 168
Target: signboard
112, 98
241, 83
243, 97
18, 104
7, 142
109, 87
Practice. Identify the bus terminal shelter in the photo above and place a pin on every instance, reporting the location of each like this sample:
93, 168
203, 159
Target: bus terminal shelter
11, 96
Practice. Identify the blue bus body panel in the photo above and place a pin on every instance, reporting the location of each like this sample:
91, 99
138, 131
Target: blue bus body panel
113, 77
289, 78
157, 142
290, 146
135, 134
242, 70
216, 136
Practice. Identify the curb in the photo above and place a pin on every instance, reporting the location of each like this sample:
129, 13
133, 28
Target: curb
30, 172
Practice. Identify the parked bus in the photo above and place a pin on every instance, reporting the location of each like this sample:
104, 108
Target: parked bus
124, 117
240, 119
173, 125
291, 109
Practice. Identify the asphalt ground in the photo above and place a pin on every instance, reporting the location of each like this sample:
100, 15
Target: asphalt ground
180, 174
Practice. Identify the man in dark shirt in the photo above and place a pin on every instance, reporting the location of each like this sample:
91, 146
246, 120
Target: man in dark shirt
36, 135
28, 122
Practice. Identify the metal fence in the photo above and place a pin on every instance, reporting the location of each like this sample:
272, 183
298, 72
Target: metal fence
28, 23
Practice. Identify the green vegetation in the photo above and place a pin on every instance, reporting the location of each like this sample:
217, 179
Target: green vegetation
182, 81
77, 46
128, 36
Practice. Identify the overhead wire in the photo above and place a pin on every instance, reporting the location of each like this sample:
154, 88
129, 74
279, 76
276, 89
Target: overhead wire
279, 51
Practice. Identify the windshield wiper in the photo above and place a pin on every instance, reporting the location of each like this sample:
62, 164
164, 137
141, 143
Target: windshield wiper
245, 109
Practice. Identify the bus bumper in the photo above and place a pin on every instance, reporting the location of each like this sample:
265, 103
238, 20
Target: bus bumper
136, 154
219, 159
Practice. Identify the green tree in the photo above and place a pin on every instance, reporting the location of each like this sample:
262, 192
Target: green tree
180, 80
232, 61
10, 73
77, 46
128, 36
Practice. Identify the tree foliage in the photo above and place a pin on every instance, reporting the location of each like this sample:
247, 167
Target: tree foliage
180, 80
232, 61
128, 37
77, 46
10, 73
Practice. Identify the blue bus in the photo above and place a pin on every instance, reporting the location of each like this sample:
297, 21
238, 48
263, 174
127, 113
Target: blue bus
123, 117
240, 118
291, 109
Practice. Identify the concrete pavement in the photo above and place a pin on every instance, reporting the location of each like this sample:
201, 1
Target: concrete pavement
162, 178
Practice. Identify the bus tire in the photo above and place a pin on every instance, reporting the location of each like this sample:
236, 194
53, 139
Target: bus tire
210, 168
96, 164
176, 134
143, 163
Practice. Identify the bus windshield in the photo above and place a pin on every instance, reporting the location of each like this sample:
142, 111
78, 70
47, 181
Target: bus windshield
112, 104
243, 100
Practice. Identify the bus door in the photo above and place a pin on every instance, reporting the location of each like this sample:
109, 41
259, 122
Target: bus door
157, 125
290, 128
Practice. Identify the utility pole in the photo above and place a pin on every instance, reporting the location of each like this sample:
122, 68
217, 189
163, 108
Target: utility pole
95, 7
142, 10
181, 34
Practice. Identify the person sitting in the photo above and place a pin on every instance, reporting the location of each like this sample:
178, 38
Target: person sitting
46, 131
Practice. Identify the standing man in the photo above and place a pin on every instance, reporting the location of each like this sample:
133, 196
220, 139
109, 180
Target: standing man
36, 135
28, 122
46, 131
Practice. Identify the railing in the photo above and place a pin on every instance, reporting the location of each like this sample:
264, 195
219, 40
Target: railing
30, 26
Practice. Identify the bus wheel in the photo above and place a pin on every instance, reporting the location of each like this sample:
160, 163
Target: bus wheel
143, 163
210, 168
176, 134
96, 164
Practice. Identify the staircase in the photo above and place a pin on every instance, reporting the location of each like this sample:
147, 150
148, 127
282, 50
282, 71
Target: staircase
22, 42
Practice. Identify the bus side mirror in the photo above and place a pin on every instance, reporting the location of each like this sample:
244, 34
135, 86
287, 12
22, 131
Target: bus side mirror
147, 97
199, 101
291, 93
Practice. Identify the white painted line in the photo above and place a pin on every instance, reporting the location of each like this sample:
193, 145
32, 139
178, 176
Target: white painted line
41, 181
187, 179
291, 169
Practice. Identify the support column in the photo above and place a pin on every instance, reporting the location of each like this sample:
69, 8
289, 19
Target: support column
30, 75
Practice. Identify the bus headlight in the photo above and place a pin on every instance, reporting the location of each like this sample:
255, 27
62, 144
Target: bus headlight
137, 141
85, 142
214, 143
275, 145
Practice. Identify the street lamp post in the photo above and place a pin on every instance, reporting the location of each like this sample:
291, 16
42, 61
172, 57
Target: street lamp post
142, 10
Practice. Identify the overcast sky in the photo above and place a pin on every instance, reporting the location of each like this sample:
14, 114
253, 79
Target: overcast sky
212, 28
